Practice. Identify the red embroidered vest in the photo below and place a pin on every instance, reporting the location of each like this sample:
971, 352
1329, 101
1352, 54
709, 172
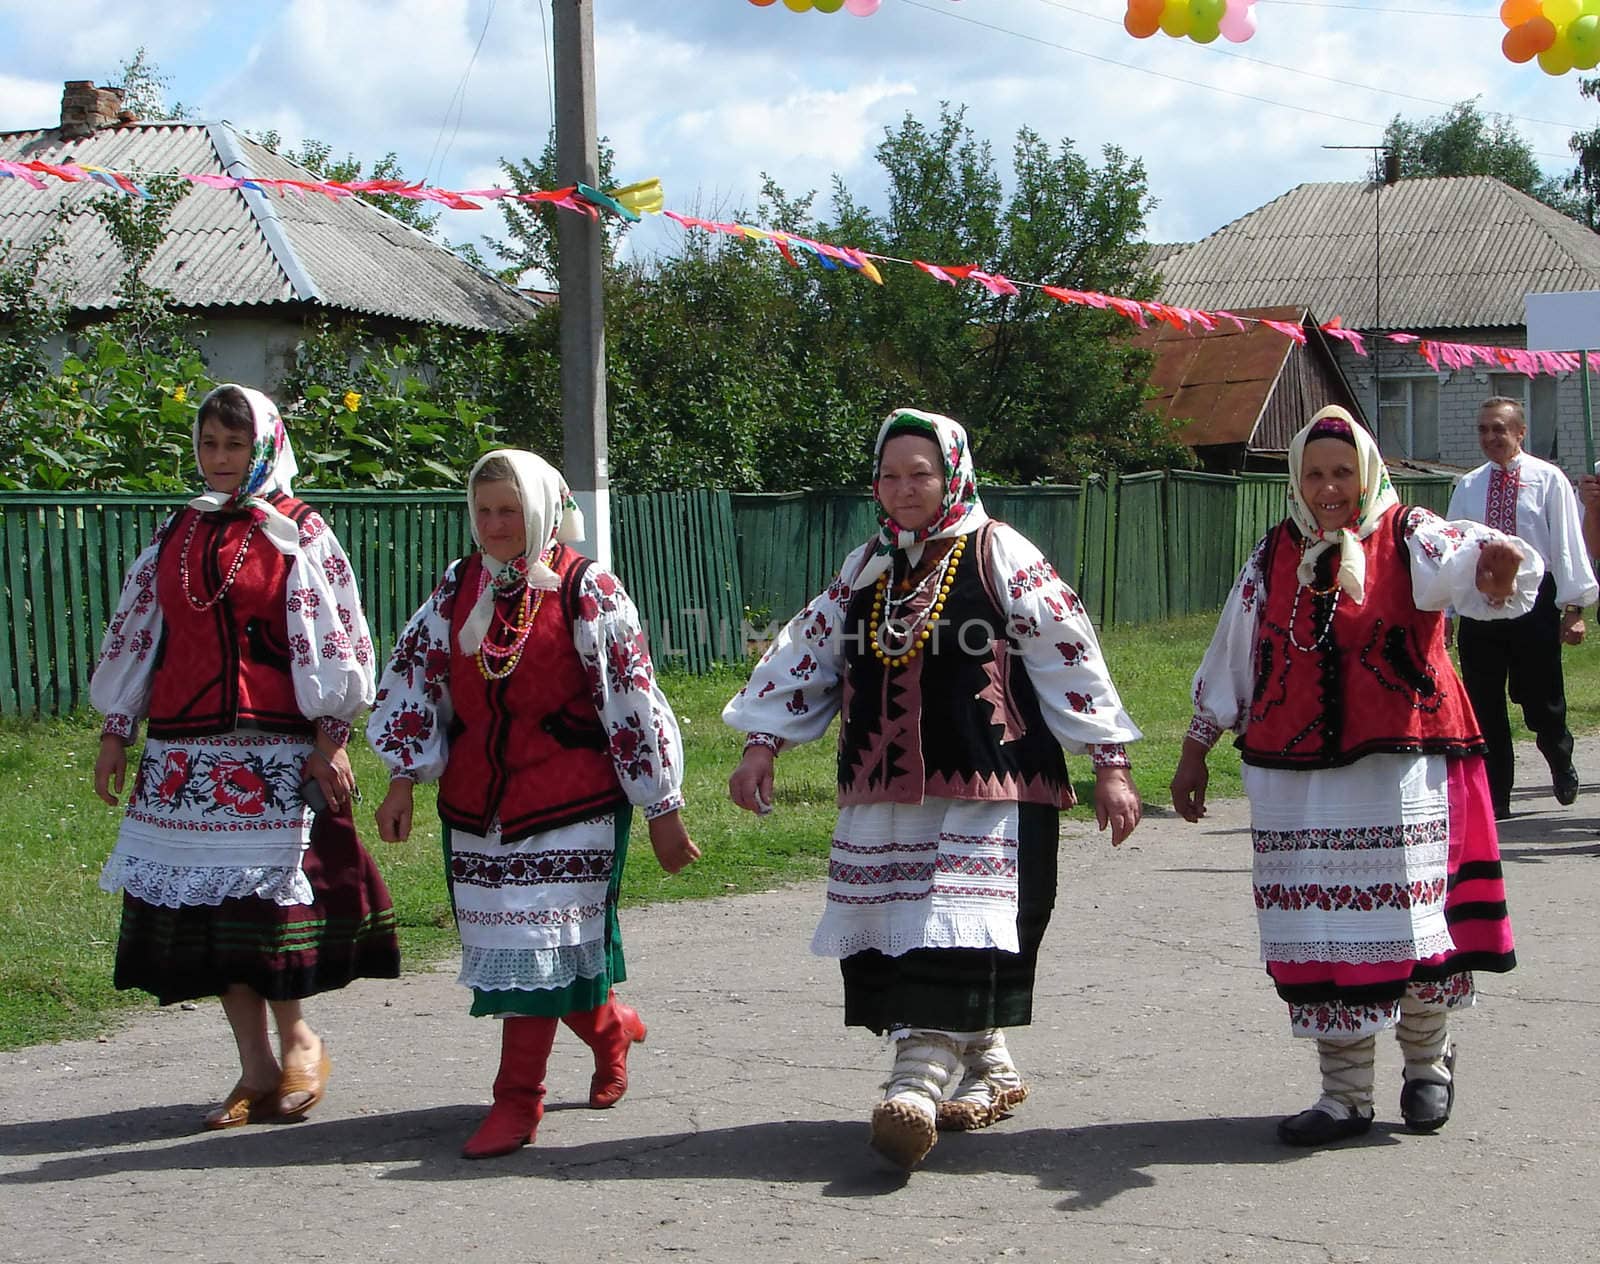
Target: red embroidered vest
227, 666
530, 747
1335, 681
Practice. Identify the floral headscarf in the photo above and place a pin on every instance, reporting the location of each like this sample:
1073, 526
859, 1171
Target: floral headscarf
549, 515
1377, 497
272, 469
960, 513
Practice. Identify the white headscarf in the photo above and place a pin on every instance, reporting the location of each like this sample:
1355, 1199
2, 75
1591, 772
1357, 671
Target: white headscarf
1377, 497
549, 515
272, 469
961, 512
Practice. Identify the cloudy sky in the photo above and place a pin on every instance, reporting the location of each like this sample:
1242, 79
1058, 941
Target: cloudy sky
708, 94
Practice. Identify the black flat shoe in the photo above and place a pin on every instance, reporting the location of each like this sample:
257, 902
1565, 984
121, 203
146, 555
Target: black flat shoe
1318, 1128
1424, 1105
1565, 784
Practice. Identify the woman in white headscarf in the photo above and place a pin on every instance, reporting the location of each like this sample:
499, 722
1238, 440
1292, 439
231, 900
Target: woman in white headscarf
960, 665
524, 687
1376, 860
239, 640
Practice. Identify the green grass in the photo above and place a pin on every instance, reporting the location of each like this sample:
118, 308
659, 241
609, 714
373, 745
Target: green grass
58, 929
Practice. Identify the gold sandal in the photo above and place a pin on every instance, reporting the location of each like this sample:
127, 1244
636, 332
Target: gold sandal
312, 1081
242, 1106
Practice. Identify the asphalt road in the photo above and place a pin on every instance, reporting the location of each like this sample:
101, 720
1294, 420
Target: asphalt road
1160, 1061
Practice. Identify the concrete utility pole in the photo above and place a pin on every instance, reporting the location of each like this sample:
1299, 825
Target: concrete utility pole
581, 242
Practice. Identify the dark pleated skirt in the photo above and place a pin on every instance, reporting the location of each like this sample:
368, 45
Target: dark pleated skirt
964, 989
283, 952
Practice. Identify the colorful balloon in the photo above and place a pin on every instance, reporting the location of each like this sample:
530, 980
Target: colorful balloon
829, 6
1557, 59
1515, 12
1141, 24
1561, 12
861, 8
1238, 25
1175, 18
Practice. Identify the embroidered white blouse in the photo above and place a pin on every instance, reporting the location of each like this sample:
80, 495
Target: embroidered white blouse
410, 722
1544, 511
795, 690
1443, 572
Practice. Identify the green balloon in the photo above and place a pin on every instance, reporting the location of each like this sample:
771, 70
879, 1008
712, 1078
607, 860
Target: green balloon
1204, 32
1583, 35
829, 6
1206, 13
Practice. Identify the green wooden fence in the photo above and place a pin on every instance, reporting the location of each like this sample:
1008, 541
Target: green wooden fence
1137, 548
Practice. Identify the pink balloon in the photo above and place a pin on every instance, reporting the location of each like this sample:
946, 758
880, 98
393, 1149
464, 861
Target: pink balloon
861, 8
1238, 25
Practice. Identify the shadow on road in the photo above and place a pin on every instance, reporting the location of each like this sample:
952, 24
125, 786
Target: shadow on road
1091, 1164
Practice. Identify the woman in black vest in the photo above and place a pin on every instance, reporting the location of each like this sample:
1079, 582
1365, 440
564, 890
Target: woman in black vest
1376, 862
960, 665
524, 687
240, 641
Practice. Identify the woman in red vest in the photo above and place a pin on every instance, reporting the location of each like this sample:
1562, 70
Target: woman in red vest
1376, 860
524, 687
240, 640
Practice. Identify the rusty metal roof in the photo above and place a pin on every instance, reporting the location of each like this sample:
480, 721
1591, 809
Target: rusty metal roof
244, 248
1456, 252
1220, 382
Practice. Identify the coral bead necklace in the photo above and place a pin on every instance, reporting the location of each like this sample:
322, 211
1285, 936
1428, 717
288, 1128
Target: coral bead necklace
897, 640
227, 580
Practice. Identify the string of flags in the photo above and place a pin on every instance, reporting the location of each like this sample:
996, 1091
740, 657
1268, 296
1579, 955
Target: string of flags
645, 197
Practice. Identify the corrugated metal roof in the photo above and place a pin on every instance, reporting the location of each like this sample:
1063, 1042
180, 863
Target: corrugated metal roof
227, 249
1456, 252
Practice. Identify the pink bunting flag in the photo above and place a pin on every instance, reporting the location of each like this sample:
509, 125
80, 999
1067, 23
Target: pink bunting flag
937, 273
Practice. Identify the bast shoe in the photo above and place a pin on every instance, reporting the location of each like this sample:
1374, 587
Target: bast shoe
1565, 784
902, 1131
242, 1106
312, 1081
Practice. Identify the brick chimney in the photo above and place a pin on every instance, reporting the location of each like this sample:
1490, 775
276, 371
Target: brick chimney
86, 108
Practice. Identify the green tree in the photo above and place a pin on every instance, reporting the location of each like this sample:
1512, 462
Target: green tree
530, 241
144, 89
1464, 141
1583, 182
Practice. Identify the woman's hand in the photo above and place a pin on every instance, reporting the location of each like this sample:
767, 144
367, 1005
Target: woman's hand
330, 769
394, 813
750, 786
111, 768
673, 847
1116, 803
1189, 782
1496, 577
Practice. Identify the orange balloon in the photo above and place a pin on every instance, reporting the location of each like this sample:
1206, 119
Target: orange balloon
1141, 24
1150, 8
1515, 12
1525, 42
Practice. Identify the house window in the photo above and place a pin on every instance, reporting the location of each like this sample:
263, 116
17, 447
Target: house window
1538, 396
1408, 417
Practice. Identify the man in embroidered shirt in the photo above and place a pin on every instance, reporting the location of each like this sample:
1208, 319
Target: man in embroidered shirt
1526, 497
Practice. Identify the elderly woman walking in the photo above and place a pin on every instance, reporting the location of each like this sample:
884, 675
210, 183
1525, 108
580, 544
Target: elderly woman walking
1376, 859
524, 687
960, 666
240, 641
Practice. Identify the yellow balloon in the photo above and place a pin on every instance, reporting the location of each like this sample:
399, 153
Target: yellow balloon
1557, 59
1175, 18
1560, 12
799, 6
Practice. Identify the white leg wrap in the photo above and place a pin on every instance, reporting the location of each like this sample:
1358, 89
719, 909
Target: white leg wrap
990, 1088
1347, 1076
925, 1061
1424, 1035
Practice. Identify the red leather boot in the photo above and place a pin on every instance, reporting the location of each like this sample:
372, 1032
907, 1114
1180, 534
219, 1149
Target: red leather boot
610, 1030
518, 1089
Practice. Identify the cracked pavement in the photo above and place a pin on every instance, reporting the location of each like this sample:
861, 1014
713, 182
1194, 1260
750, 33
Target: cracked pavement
1159, 1060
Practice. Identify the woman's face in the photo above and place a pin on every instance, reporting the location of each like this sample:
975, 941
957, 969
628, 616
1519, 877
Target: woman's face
224, 456
911, 481
1330, 483
502, 533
